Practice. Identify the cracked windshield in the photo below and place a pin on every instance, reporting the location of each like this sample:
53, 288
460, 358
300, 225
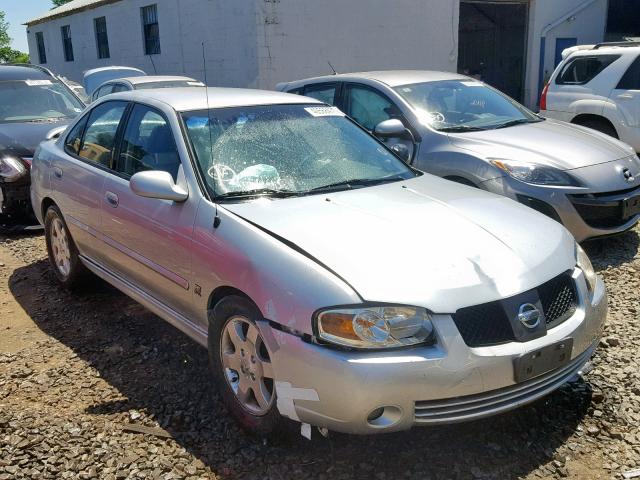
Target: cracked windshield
464, 105
287, 150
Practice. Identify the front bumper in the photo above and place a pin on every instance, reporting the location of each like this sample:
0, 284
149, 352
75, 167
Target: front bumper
585, 215
446, 383
15, 201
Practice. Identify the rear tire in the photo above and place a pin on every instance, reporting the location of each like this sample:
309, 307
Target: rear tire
63, 253
241, 365
599, 125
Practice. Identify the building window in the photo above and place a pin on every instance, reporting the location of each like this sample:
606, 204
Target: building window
67, 46
102, 40
150, 30
42, 55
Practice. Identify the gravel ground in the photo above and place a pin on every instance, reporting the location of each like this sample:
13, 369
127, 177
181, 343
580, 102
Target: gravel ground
94, 386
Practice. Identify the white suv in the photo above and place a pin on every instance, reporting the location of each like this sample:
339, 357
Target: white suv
599, 87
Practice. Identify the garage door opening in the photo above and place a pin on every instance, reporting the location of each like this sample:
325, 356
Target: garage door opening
491, 43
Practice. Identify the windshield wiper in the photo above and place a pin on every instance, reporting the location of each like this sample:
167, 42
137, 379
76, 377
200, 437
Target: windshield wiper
461, 128
512, 123
258, 192
355, 182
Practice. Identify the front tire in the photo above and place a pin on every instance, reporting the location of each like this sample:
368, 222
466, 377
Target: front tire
62, 251
241, 365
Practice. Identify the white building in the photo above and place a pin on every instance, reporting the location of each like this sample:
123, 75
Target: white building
258, 43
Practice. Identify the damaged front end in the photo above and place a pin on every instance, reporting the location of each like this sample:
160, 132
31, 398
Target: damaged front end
15, 204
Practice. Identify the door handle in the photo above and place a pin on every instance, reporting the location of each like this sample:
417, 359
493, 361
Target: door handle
57, 172
111, 198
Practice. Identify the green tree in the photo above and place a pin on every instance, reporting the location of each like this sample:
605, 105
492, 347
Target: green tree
57, 3
8, 54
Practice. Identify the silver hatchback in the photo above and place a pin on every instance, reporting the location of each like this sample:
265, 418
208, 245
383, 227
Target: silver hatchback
461, 129
313, 263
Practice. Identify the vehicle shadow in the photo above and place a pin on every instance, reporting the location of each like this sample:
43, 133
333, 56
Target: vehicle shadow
613, 251
159, 372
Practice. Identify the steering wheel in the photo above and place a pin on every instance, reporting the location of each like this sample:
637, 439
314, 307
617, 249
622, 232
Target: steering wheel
221, 172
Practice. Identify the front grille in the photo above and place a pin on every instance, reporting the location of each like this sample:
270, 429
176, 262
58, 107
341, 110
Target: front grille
471, 407
603, 210
488, 324
559, 299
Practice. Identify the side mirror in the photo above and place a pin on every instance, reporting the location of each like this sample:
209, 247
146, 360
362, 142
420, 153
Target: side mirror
55, 133
392, 128
157, 184
401, 150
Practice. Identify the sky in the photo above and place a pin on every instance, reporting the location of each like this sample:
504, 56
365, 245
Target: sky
19, 11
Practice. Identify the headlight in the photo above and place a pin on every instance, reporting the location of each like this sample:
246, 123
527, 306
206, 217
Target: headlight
584, 264
11, 169
375, 326
534, 173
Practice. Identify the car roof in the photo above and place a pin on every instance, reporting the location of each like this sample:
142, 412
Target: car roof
584, 51
184, 99
154, 78
23, 72
392, 78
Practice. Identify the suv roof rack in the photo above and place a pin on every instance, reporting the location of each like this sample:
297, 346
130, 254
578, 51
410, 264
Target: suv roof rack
616, 44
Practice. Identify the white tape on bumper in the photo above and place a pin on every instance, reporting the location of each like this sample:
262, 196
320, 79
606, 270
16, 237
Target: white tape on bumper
286, 394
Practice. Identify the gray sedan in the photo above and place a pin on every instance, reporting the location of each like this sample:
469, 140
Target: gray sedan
461, 129
313, 264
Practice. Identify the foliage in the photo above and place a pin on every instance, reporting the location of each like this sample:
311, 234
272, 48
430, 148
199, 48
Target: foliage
8, 54
57, 3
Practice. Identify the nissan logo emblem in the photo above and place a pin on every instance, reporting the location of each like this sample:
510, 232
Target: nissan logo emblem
529, 315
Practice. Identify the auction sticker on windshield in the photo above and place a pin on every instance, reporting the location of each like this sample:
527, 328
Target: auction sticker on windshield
324, 111
35, 83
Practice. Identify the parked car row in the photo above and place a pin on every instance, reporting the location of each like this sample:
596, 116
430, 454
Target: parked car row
297, 236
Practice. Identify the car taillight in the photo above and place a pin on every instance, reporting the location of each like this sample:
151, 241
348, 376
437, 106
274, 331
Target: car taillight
543, 97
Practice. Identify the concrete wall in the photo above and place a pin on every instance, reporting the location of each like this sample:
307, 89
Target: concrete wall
258, 43
588, 26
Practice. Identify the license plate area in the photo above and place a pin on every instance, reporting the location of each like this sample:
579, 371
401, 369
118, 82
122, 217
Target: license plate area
631, 207
543, 360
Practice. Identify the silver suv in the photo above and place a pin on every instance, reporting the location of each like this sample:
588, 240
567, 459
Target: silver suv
461, 129
313, 263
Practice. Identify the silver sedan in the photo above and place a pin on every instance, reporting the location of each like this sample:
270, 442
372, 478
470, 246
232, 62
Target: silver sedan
331, 283
461, 129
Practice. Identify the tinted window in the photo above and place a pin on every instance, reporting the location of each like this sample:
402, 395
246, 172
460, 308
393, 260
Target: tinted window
102, 91
72, 143
583, 69
325, 93
631, 79
148, 144
119, 87
100, 134
368, 107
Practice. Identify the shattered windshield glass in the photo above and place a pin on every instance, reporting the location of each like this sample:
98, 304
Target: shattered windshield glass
36, 100
282, 150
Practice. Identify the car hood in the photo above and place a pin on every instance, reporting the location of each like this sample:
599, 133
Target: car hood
551, 142
22, 139
426, 241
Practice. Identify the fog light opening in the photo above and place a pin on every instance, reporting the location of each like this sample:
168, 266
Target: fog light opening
383, 417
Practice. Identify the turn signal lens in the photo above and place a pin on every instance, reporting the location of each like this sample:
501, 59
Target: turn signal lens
375, 327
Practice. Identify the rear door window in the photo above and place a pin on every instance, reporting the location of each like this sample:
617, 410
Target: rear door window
631, 79
325, 92
100, 134
582, 70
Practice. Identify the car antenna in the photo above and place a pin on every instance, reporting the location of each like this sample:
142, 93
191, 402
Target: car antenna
155, 71
216, 219
334, 70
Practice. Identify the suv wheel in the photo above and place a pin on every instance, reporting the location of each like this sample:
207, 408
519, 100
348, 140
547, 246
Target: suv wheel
63, 254
599, 125
241, 365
